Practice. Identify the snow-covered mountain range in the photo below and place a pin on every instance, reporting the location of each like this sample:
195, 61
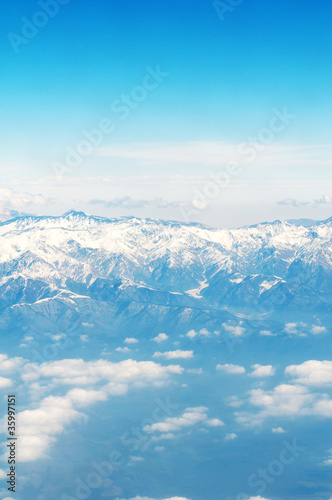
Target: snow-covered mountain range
74, 269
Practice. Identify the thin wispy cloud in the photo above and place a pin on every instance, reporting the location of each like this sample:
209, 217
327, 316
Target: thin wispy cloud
292, 202
219, 152
324, 200
127, 202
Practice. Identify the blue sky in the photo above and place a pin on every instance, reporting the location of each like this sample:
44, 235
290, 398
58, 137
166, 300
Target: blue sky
224, 79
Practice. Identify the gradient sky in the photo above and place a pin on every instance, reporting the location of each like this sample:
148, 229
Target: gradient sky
225, 79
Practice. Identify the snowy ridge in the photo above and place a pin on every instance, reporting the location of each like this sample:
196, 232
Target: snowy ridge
110, 263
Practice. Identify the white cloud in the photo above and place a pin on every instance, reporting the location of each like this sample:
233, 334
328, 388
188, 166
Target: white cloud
267, 333
296, 329
123, 349
237, 331
39, 427
189, 418
262, 371
285, 400
195, 371
118, 375
324, 200
316, 329
292, 202
328, 461
278, 430
9, 364
233, 369
130, 341
301, 329
3, 474
84, 397
234, 402
5, 382
214, 422
230, 437
311, 372
15, 199
58, 337
257, 498
291, 328
174, 354
201, 333
161, 337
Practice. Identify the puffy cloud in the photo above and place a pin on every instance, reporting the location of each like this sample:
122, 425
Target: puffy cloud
230, 437
40, 426
237, 331
291, 328
324, 200
278, 430
130, 341
214, 422
79, 373
233, 369
296, 329
178, 354
189, 418
311, 372
301, 329
161, 337
201, 333
328, 461
84, 397
9, 364
262, 371
5, 382
285, 400
123, 349
316, 329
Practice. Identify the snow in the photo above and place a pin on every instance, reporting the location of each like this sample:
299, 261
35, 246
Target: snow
79, 259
